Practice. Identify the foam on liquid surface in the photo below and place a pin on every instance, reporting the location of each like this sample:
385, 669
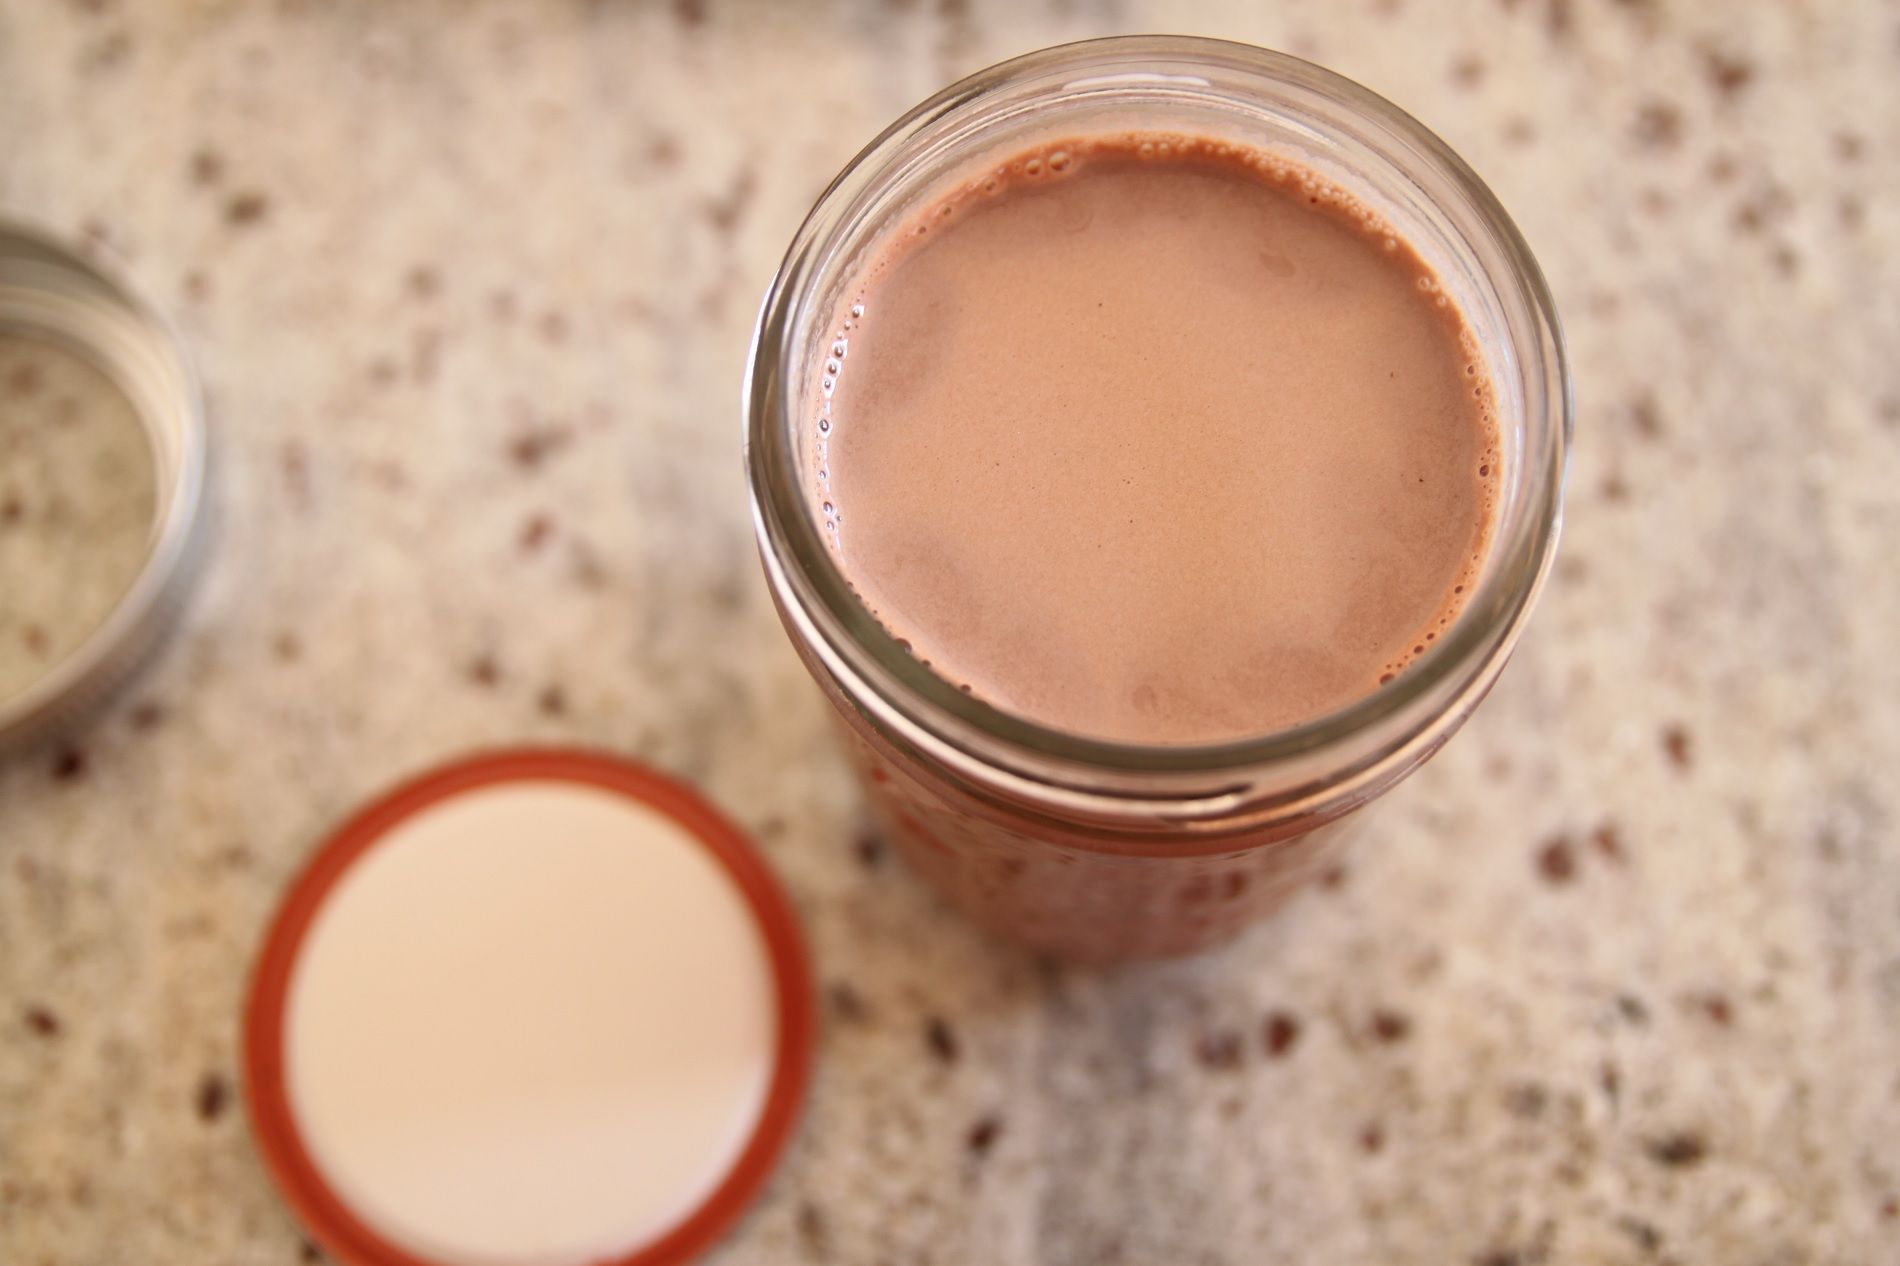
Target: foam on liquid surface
1155, 439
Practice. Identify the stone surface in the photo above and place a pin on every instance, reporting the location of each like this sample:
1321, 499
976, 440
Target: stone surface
1615, 979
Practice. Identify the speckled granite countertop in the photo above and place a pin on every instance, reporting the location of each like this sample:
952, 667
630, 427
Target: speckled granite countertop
1615, 979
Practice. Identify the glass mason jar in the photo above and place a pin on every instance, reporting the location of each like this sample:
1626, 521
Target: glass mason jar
1097, 850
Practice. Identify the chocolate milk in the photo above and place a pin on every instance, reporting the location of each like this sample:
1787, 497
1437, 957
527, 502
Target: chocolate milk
1155, 439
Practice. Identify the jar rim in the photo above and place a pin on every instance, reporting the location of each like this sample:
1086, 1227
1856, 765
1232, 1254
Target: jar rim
816, 599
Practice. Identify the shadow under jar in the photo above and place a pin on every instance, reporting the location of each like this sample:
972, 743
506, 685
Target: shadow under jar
1101, 847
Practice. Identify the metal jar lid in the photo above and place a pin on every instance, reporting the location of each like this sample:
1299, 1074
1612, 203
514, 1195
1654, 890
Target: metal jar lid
537, 1006
79, 311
